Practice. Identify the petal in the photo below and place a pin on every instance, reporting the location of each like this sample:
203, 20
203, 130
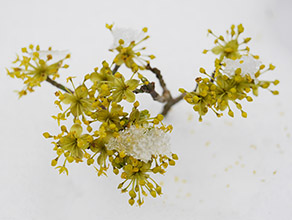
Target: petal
217, 50
76, 129
68, 98
130, 96
118, 96
81, 92
132, 84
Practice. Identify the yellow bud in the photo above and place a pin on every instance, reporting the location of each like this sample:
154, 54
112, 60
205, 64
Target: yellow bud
46, 135
63, 128
271, 67
116, 171
112, 126
158, 190
276, 82
202, 70
233, 90
142, 182
121, 41
275, 92
131, 201
174, 156
132, 194
155, 121
145, 29
66, 154
60, 151
246, 40
136, 104
153, 193
262, 66
89, 128
160, 117
238, 71
151, 57
109, 26
122, 154
249, 99
24, 50
171, 162
54, 162
49, 57
240, 28
243, 114
205, 51
70, 159
230, 113
90, 161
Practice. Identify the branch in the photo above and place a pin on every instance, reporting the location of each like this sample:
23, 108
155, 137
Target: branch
58, 85
150, 88
162, 83
170, 103
115, 69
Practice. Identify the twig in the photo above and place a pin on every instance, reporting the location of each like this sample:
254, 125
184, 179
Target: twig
58, 85
150, 88
115, 69
170, 103
166, 93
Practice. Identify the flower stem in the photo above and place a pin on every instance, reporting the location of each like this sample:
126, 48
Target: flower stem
58, 85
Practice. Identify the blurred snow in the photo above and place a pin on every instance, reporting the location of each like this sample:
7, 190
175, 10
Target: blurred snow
228, 168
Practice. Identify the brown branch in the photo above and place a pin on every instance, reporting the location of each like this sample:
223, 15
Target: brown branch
115, 69
157, 72
150, 88
170, 103
58, 85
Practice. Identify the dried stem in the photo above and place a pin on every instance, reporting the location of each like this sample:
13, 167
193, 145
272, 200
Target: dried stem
115, 69
162, 83
58, 85
170, 103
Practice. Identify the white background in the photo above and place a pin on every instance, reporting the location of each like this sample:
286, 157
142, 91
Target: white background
228, 168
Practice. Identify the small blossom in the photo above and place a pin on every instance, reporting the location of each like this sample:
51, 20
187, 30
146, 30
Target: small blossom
79, 101
141, 142
75, 142
125, 43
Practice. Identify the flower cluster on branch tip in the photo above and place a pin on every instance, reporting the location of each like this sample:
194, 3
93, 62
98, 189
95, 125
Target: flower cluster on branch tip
134, 144
236, 75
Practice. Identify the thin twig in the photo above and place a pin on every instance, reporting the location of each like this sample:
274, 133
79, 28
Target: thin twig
115, 69
150, 88
170, 103
58, 85
166, 93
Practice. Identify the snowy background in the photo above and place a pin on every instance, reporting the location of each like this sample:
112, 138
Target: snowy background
228, 169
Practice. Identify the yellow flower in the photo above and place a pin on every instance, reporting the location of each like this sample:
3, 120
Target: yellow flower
75, 142
33, 68
124, 90
229, 48
125, 42
79, 101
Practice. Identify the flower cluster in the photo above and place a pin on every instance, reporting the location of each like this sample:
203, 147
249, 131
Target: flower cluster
131, 142
236, 74
36, 66
125, 42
